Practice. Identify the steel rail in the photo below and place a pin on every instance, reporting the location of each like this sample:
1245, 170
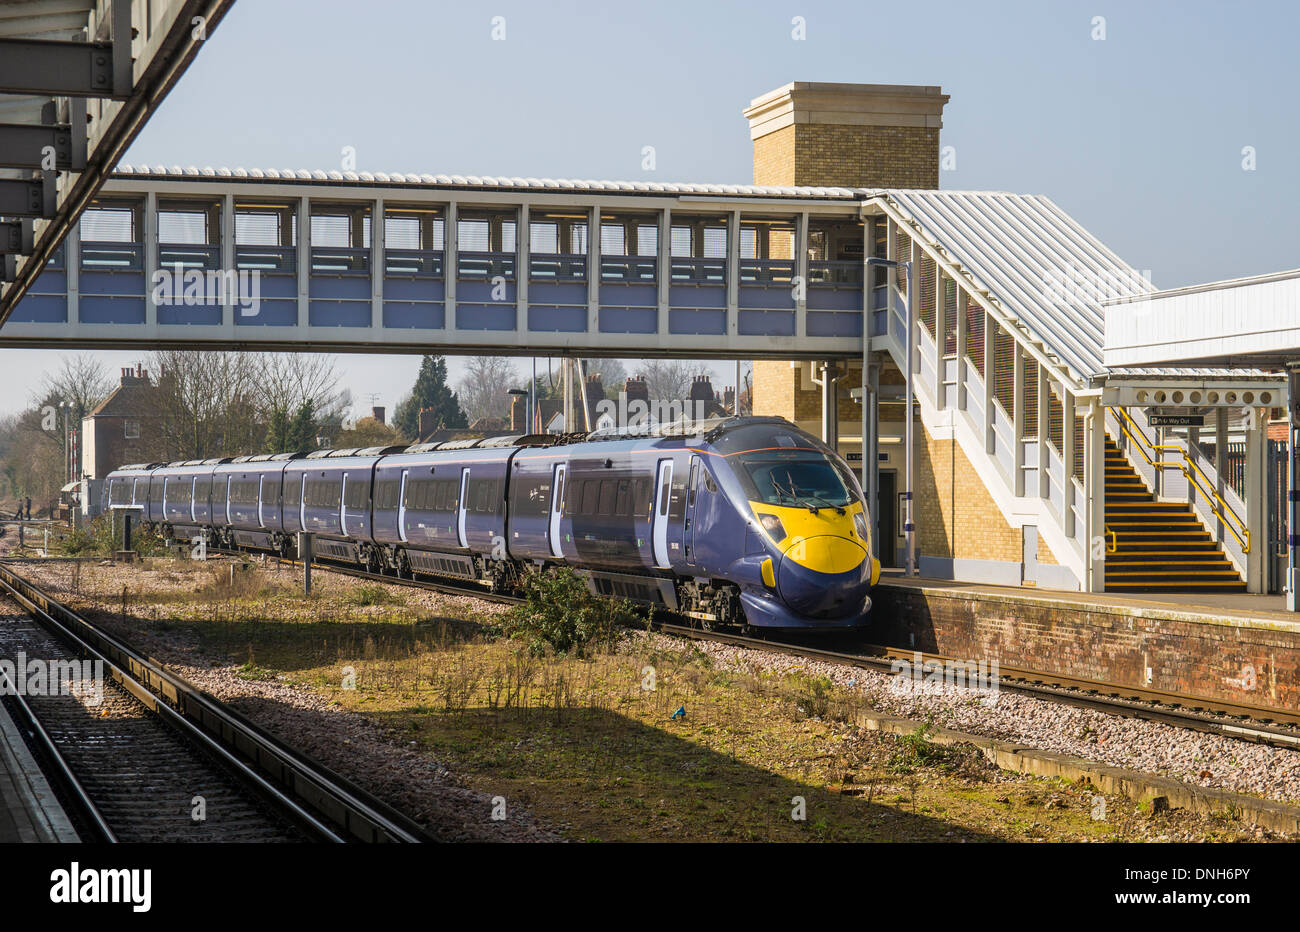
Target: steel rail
324, 804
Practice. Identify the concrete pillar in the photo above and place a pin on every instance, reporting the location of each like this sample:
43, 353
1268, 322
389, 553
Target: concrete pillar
830, 404
1256, 504
1094, 482
305, 555
1292, 532
1018, 417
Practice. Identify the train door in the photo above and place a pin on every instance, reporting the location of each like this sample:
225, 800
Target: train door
557, 509
343, 506
401, 506
688, 517
462, 507
302, 501
261, 490
194, 484
663, 493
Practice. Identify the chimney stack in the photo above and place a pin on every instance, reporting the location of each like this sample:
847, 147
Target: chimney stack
427, 425
377, 412
636, 389
702, 389
518, 414
595, 395
729, 399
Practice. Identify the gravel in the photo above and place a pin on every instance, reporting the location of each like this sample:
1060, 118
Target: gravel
1192, 757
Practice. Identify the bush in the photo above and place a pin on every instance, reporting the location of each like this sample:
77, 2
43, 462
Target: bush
95, 539
559, 611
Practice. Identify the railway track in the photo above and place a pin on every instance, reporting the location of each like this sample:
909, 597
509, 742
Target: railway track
1258, 724
130, 767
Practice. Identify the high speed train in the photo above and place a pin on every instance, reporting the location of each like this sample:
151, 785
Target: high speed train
733, 522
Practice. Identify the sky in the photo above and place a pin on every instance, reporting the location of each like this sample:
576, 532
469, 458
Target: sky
1138, 134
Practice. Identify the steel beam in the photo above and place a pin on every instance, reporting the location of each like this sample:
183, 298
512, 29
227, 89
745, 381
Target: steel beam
56, 68
24, 145
30, 198
16, 236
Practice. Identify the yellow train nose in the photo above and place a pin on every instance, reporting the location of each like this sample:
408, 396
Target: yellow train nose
826, 553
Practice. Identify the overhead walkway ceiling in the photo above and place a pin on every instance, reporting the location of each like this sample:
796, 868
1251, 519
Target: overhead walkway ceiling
1251, 321
78, 80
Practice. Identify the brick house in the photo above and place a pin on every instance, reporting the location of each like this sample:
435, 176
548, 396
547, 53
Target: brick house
122, 429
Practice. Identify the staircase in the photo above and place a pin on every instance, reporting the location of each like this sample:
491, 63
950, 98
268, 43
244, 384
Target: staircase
1159, 546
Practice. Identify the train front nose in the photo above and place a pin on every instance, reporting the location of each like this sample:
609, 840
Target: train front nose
827, 576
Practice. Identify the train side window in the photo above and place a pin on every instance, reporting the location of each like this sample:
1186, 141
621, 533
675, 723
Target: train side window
590, 492
606, 497
573, 501
623, 504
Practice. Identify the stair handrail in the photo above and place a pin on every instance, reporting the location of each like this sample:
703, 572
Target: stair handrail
1152, 451
1113, 546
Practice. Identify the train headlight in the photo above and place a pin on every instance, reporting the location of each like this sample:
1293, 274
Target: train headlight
772, 524
861, 524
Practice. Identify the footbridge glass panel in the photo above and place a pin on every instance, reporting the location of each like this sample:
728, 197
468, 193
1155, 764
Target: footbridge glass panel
340, 290
557, 271
189, 262
835, 267
486, 283
112, 276
415, 285
266, 244
629, 272
767, 293
697, 291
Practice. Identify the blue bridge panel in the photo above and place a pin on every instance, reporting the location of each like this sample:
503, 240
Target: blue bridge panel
338, 313
557, 293
834, 299
339, 288
681, 320
271, 312
41, 309
692, 296
190, 314
113, 283
833, 324
414, 315
615, 294
629, 319
415, 289
480, 292
557, 319
765, 323
498, 316
108, 309
777, 297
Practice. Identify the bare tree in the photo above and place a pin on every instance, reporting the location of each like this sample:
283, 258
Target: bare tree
670, 379
286, 380
483, 389
82, 381
207, 403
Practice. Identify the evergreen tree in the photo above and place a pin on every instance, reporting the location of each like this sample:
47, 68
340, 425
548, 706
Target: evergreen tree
302, 429
430, 391
277, 431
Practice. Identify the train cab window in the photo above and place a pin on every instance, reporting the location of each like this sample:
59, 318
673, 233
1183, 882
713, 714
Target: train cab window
709, 483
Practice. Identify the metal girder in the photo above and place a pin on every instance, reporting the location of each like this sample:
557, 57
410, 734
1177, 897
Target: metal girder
58, 68
16, 236
33, 198
23, 145
8, 268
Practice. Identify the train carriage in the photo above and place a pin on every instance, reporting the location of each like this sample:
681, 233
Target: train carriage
736, 521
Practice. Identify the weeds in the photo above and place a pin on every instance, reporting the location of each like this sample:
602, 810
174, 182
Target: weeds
560, 612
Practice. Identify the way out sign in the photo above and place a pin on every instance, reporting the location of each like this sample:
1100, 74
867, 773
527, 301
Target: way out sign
1177, 420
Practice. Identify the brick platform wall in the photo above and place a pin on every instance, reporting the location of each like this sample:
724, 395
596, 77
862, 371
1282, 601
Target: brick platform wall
1203, 656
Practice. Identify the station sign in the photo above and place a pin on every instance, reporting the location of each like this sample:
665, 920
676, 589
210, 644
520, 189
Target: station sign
1177, 420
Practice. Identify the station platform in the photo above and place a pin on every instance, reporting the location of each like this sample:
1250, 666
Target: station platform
1228, 646
30, 811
